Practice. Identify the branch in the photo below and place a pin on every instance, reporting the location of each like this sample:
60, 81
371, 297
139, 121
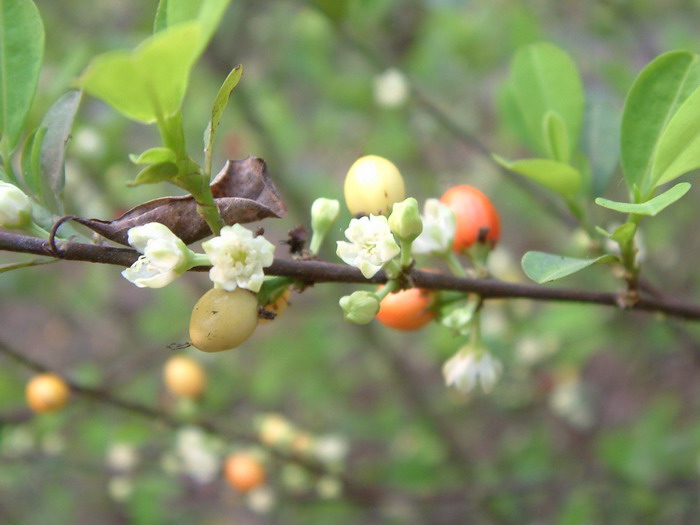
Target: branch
322, 272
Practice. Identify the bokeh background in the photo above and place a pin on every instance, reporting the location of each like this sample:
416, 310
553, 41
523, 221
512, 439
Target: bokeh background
596, 418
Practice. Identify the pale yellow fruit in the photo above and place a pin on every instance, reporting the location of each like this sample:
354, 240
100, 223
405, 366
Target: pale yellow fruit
223, 320
184, 377
46, 393
373, 184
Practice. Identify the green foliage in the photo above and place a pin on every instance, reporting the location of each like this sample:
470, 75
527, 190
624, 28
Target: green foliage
21, 55
546, 267
217, 111
556, 176
650, 207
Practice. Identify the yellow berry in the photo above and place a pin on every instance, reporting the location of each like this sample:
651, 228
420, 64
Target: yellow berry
223, 320
184, 377
46, 393
373, 184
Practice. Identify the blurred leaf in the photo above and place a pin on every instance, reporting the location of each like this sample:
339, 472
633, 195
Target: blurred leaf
624, 233
546, 267
21, 54
678, 151
333, 9
581, 508
150, 82
661, 87
160, 21
556, 176
26, 264
217, 111
207, 12
544, 78
154, 156
161, 172
58, 123
651, 207
512, 115
31, 161
601, 139
556, 137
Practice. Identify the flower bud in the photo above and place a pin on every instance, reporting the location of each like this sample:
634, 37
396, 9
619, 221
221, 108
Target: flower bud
405, 220
15, 207
324, 213
360, 307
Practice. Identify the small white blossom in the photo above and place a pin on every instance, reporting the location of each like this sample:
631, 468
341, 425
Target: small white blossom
261, 499
15, 207
238, 258
470, 365
439, 225
120, 488
371, 245
122, 457
390, 88
165, 257
197, 456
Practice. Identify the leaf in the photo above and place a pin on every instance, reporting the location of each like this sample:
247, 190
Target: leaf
601, 139
556, 137
544, 78
661, 87
651, 207
217, 111
160, 172
243, 191
558, 177
9, 267
21, 54
678, 151
546, 267
624, 234
149, 82
512, 116
154, 156
207, 12
31, 160
58, 123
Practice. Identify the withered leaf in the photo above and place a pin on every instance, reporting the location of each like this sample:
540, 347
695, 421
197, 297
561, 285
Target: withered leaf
243, 191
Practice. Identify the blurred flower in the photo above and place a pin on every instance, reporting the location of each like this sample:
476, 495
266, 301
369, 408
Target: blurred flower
460, 319
571, 401
197, 458
371, 245
469, 366
405, 221
15, 207
329, 487
360, 307
261, 499
120, 488
88, 142
17, 441
53, 444
331, 448
238, 258
390, 88
165, 257
324, 213
122, 457
439, 225
275, 430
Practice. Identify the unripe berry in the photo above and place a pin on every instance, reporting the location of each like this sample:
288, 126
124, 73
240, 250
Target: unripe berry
372, 185
223, 320
184, 377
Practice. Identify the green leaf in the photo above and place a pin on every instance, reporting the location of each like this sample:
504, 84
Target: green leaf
161, 172
217, 111
154, 156
624, 234
651, 207
601, 139
556, 137
546, 267
678, 151
149, 83
512, 116
558, 177
21, 54
207, 12
544, 78
31, 161
58, 123
333, 9
4, 268
661, 87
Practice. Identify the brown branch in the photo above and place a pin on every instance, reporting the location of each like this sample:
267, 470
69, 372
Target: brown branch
322, 272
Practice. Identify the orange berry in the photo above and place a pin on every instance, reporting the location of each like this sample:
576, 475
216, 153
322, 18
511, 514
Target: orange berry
406, 309
46, 393
244, 472
184, 377
474, 212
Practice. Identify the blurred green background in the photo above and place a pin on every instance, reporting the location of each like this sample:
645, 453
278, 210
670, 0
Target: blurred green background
596, 418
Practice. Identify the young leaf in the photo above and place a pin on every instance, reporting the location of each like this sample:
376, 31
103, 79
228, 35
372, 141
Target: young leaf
21, 53
58, 123
624, 233
154, 156
544, 78
556, 137
154, 173
161, 20
217, 112
546, 267
601, 139
650, 207
678, 151
149, 83
207, 12
661, 87
558, 177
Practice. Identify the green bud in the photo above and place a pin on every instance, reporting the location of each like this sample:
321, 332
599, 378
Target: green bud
324, 213
15, 208
360, 307
405, 221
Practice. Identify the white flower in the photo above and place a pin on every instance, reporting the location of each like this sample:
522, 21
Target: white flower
165, 257
15, 207
371, 244
238, 258
470, 365
390, 88
439, 225
196, 455
122, 457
